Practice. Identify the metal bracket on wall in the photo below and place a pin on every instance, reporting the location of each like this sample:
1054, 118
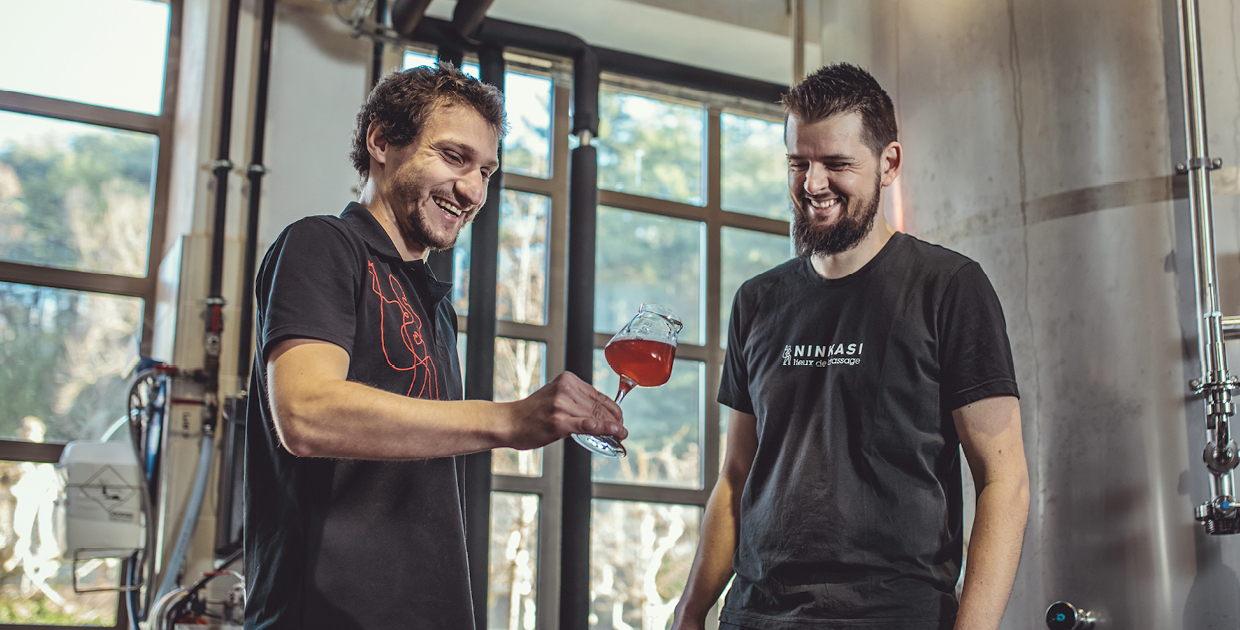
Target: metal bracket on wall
1212, 164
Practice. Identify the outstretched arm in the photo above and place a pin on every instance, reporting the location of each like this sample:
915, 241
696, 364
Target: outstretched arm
318, 413
990, 435
712, 566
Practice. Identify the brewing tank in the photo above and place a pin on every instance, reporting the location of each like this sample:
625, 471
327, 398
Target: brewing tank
1041, 138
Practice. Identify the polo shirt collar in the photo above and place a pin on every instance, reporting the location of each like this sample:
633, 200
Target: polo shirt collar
378, 240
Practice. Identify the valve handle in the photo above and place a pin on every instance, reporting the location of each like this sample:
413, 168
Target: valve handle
1064, 616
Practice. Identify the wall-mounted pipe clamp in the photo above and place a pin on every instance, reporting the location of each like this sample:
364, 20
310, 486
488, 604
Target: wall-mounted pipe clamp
1199, 162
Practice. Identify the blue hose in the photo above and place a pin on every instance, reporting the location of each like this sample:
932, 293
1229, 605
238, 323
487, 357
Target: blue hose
191, 518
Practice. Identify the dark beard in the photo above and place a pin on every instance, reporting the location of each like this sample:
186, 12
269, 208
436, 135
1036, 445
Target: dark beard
415, 229
839, 237
413, 225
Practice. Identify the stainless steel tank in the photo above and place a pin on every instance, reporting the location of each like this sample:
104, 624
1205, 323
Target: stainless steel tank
1041, 139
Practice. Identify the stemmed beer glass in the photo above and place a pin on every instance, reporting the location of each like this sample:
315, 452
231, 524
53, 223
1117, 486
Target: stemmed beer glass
641, 354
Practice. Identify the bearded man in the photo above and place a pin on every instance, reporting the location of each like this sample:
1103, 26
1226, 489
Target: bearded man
854, 374
356, 429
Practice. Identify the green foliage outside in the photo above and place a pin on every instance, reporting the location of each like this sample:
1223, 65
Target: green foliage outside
39, 611
58, 201
527, 148
755, 174
649, 147
72, 205
642, 257
664, 426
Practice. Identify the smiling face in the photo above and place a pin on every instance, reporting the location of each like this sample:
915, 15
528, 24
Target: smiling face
435, 185
835, 181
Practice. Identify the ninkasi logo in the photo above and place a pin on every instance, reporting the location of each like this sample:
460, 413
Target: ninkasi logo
822, 356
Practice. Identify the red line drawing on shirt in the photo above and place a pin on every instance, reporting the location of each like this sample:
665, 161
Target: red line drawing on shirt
411, 338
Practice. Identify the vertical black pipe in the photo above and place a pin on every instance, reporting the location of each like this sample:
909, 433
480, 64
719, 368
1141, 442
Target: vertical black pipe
376, 56
585, 97
579, 359
215, 300
480, 361
579, 341
451, 54
223, 148
254, 173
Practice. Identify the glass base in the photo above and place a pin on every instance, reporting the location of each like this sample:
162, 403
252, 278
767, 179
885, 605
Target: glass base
605, 446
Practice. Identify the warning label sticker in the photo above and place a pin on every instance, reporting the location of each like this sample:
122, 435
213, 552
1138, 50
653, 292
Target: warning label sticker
107, 490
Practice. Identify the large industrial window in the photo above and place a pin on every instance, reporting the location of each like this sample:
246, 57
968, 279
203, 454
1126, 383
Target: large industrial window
693, 201
84, 144
530, 298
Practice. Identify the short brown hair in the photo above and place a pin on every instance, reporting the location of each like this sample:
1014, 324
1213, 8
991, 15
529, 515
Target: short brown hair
845, 89
403, 100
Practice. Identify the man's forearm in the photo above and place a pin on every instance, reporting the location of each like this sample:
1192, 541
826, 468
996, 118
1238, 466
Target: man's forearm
712, 566
994, 553
354, 421
317, 413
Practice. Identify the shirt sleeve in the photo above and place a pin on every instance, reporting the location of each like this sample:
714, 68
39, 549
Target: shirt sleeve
975, 357
307, 287
734, 384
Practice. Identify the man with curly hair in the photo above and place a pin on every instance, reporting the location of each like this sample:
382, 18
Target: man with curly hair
356, 431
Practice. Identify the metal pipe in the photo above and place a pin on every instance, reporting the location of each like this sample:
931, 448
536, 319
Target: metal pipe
1231, 327
480, 357
190, 520
159, 620
579, 359
1219, 515
798, 41
589, 60
376, 52
214, 315
222, 164
254, 173
649, 68
585, 62
468, 15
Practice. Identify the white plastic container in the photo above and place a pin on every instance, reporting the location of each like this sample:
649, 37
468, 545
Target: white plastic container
103, 500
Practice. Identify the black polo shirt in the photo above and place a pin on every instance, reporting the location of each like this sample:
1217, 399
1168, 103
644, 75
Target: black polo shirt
343, 544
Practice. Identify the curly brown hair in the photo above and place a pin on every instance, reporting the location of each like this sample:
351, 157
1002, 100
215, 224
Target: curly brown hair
845, 89
403, 100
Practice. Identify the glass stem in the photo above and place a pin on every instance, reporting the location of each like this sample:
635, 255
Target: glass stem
625, 386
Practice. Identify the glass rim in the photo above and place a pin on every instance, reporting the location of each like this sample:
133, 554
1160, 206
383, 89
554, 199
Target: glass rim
660, 310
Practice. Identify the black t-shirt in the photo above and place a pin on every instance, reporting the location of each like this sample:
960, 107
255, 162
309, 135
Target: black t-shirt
851, 516
350, 544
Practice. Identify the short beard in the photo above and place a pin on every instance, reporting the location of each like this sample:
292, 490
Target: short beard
413, 225
843, 235
415, 229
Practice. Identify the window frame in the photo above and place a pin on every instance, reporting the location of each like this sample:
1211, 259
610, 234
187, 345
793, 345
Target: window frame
711, 353
711, 213
548, 486
162, 127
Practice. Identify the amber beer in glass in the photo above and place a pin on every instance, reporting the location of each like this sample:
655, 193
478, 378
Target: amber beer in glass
641, 354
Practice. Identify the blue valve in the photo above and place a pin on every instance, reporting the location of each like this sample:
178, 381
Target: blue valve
1064, 616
